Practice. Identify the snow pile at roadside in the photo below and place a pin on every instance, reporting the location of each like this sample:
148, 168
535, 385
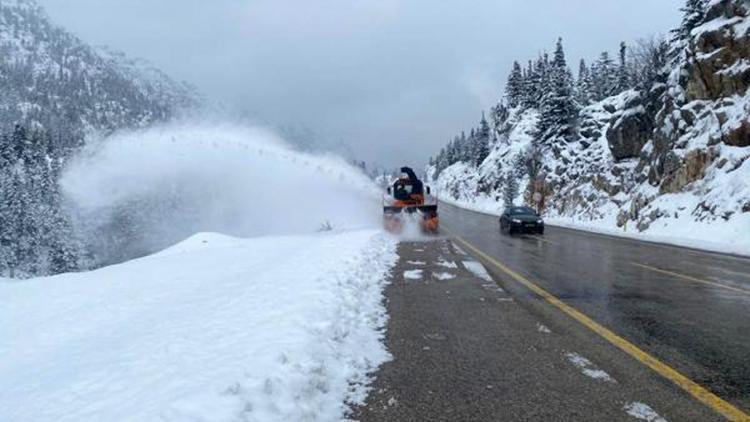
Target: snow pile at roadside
139, 192
213, 329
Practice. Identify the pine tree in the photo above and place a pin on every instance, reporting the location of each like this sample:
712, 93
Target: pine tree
558, 109
36, 236
542, 82
482, 142
450, 153
467, 147
530, 86
7, 235
604, 77
583, 85
623, 77
441, 163
514, 89
510, 190
693, 14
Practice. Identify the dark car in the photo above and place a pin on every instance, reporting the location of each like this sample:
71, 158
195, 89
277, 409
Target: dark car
521, 220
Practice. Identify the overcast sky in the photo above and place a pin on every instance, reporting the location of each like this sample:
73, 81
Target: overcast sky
393, 78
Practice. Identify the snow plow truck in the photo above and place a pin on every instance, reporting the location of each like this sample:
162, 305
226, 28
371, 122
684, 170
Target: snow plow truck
408, 200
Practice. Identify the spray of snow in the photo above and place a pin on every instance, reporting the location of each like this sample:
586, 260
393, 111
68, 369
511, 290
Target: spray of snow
138, 192
411, 230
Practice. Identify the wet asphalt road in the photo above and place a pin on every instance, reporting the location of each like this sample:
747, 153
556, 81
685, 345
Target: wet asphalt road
465, 349
690, 309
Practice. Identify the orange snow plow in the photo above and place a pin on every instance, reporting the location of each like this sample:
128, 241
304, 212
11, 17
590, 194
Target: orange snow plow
409, 200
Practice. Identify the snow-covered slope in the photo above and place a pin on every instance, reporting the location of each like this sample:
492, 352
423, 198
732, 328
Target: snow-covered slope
212, 329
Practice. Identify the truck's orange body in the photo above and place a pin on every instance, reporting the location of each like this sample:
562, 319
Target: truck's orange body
406, 197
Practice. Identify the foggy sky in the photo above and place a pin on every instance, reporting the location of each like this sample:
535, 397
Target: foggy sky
395, 79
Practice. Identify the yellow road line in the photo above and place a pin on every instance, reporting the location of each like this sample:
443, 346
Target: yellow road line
693, 279
697, 391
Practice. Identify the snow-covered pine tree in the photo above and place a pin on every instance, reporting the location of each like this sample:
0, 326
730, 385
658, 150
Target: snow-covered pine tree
510, 189
460, 150
482, 141
530, 86
441, 163
604, 77
451, 152
583, 85
499, 114
542, 79
623, 76
519, 165
36, 236
558, 109
7, 162
514, 89
467, 148
693, 14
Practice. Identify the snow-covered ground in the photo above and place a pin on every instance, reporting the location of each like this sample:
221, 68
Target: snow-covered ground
216, 328
278, 318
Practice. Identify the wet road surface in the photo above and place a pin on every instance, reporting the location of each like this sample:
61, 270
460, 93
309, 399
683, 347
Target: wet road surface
467, 349
688, 308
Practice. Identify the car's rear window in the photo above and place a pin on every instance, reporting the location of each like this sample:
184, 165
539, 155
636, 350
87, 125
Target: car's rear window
521, 211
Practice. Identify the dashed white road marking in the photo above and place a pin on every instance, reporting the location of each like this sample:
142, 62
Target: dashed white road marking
447, 264
543, 328
588, 368
643, 412
478, 270
413, 274
416, 262
443, 276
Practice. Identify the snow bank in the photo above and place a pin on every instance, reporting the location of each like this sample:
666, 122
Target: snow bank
212, 329
138, 192
724, 237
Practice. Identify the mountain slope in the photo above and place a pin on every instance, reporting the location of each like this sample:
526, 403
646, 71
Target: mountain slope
55, 91
50, 78
666, 158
